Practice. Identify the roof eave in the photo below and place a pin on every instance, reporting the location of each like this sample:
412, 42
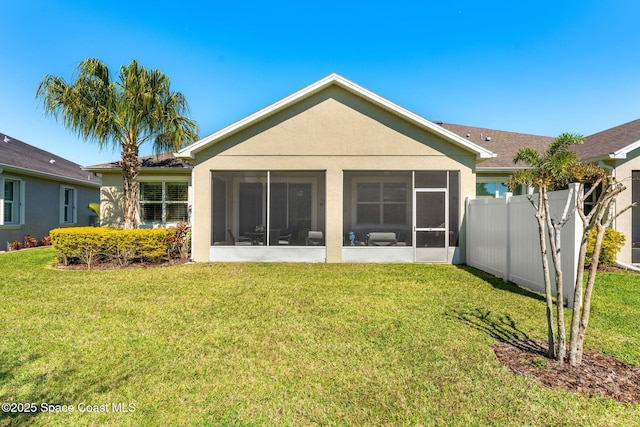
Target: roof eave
500, 168
151, 168
39, 174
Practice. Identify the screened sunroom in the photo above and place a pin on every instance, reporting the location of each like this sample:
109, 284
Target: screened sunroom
267, 215
400, 216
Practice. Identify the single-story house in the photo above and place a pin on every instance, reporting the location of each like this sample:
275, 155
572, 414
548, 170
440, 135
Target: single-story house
40, 191
366, 178
337, 173
164, 184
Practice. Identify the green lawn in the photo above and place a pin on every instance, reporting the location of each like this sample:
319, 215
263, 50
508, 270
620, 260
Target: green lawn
288, 344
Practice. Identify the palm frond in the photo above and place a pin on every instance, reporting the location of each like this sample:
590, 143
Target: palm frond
563, 142
528, 156
137, 108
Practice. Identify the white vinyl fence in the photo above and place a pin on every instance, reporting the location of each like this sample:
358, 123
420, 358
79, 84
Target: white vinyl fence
502, 239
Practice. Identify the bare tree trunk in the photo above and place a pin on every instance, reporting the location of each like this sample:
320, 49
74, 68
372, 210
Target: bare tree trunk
578, 300
591, 280
561, 343
541, 217
554, 230
130, 184
601, 217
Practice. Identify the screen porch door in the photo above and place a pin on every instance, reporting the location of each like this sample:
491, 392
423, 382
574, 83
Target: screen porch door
431, 217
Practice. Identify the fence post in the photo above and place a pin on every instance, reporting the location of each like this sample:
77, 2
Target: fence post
468, 231
507, 254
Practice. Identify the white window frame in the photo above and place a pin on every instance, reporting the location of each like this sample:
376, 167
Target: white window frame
20, 201
380, 181
73, 205
164, 180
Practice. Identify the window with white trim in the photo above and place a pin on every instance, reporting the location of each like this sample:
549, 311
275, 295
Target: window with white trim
68, 205
12, 201
381, 203
164, 202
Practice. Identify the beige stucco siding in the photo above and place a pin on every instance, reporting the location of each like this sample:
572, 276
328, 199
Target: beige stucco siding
111, 212
111, 192
332, 131
623, 171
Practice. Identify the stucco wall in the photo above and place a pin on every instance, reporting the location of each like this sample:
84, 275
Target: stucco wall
332, 131
111, 213
111, 192
42, 207
623, 224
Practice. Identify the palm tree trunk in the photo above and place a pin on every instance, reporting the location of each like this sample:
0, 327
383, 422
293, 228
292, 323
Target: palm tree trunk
130, 184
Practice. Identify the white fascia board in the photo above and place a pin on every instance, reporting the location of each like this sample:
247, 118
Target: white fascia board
500, 169
622, 153
481, 152
31, 172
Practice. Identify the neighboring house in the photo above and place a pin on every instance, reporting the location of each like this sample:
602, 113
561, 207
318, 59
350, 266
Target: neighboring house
337, 174
617, 148
40, 191
493, 175
164, 183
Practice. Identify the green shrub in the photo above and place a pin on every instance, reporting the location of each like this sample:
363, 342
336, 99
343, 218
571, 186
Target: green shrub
91, 245
612, 242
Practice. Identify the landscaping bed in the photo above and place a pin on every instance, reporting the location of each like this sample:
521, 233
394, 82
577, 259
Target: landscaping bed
598, 374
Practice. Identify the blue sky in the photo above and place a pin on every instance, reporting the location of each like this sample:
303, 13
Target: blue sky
541, 67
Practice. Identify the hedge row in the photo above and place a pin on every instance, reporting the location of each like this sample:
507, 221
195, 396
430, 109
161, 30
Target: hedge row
92, 245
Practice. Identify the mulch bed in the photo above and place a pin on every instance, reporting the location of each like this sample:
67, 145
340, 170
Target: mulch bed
598, 373
116, 266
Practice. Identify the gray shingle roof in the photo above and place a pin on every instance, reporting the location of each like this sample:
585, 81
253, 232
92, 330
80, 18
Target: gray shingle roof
504, 144
27, 158
601, 144
163, 160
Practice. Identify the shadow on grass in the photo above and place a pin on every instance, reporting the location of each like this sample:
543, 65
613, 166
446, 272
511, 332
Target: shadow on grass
498, 283
501, 327
43, 386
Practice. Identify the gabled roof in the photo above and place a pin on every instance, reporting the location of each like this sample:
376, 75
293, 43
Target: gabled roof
614, 143
20, 157
331, 80
504, 144
154, 161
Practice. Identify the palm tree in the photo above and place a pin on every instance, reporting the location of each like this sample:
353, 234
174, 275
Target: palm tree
547, 172
138, 108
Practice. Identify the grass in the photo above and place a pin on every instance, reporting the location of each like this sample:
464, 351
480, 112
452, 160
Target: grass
289, 344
